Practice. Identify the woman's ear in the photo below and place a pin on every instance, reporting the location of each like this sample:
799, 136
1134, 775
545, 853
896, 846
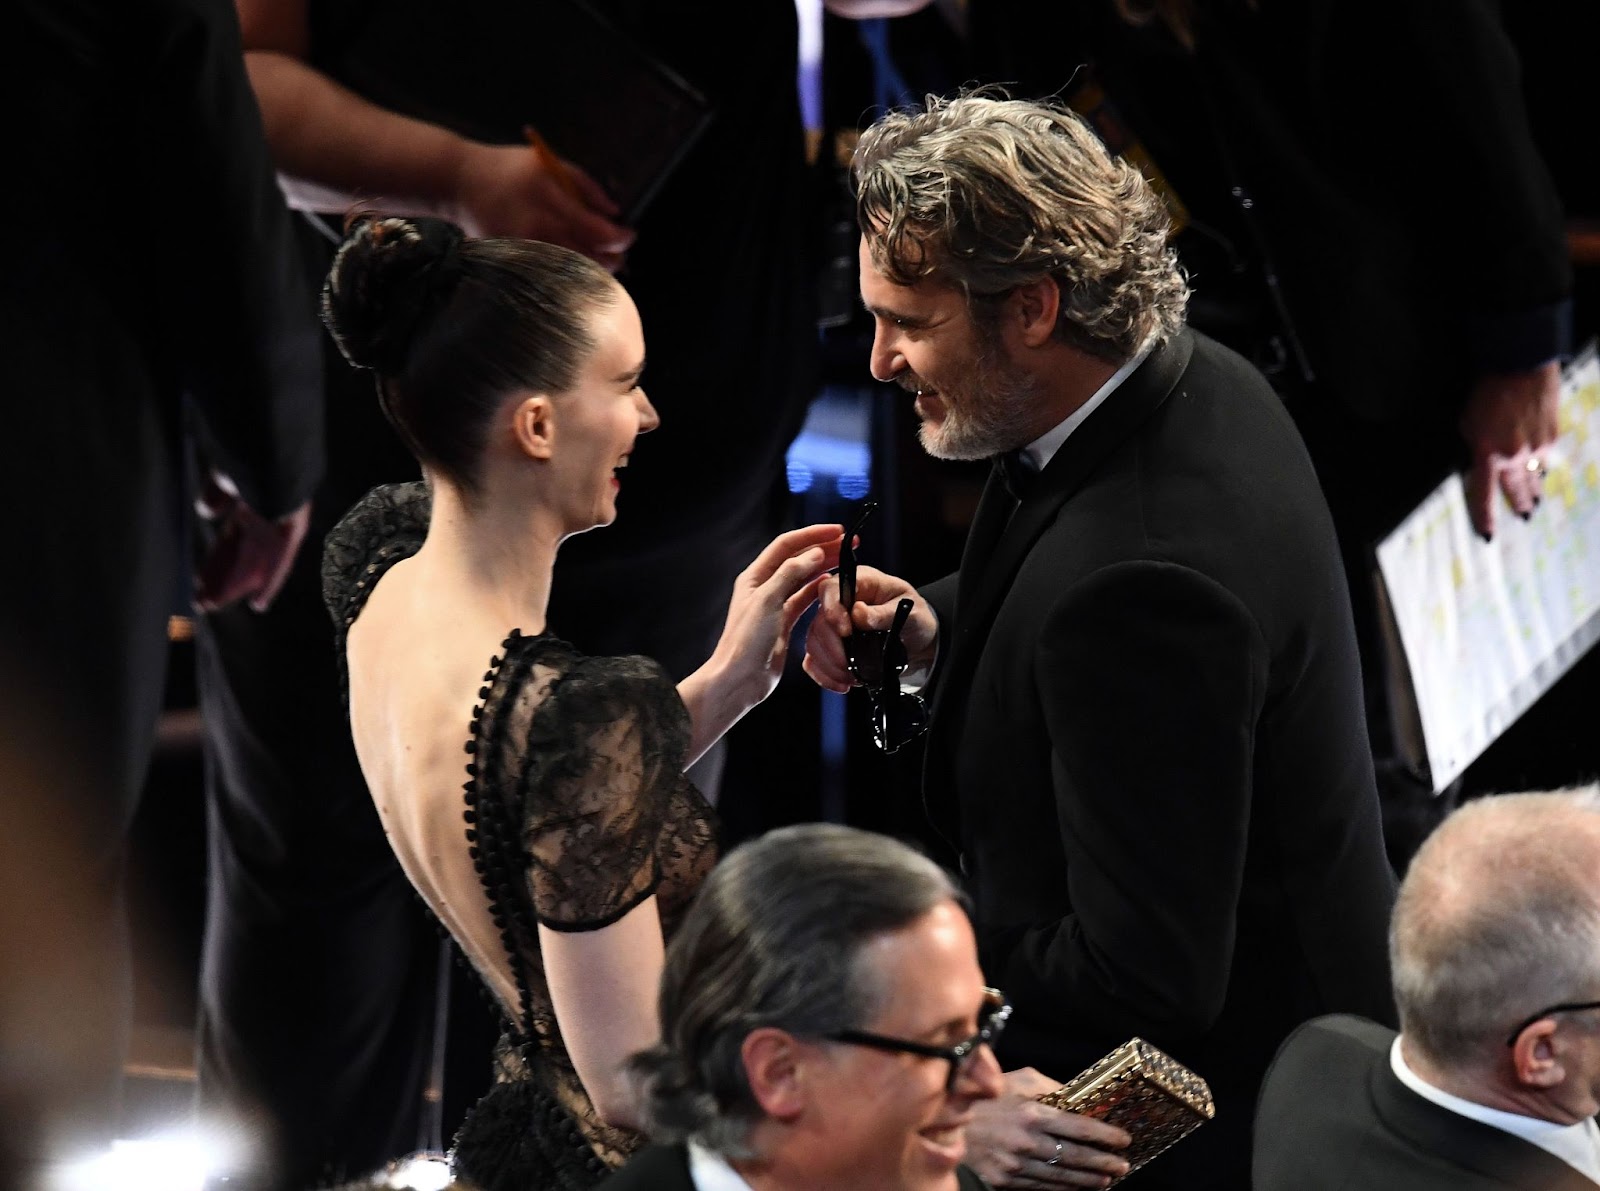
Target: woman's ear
533, 426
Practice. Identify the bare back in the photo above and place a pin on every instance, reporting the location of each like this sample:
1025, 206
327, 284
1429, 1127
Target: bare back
524, 787
412, 696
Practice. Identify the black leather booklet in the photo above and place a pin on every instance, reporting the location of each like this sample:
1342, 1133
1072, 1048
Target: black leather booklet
488, 69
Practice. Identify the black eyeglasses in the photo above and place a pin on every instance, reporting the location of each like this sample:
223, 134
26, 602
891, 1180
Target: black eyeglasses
992, 1018
1570, 1007
877, 657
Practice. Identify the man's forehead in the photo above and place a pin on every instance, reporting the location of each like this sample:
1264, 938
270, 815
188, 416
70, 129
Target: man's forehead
883, 295
929, 967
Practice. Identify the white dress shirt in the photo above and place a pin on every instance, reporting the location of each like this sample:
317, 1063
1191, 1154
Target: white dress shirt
1041, 450
1577, 1145
709, 1171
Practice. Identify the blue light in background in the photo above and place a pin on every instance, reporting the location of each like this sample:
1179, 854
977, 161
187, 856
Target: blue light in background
800, 476
853, 486
816, 456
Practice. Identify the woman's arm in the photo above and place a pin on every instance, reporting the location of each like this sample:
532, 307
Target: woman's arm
603, 986
769, 597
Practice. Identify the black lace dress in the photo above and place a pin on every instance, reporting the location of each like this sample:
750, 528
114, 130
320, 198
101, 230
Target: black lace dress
574, 810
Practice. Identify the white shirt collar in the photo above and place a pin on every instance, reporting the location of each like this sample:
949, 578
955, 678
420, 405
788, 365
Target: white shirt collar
1577, 1145
709, 1171
1041, 450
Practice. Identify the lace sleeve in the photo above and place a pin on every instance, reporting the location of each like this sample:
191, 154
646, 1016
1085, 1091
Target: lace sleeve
384, 526
609, 745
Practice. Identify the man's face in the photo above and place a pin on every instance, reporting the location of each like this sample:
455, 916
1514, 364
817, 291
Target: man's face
973, 399
887, 1121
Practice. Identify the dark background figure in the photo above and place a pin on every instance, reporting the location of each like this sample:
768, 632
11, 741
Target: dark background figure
154, 333
1368, 218
319, 970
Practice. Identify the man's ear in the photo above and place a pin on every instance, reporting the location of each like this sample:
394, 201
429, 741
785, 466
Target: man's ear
1536, 1056
1033, 309
533, 426
774, 1065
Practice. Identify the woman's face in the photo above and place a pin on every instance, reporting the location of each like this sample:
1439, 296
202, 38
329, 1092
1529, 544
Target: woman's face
599, 418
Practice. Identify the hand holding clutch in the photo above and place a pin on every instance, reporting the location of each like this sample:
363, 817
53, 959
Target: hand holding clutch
1156, 1099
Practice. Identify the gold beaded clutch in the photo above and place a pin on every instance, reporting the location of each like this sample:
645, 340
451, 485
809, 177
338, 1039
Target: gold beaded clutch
1140, 1089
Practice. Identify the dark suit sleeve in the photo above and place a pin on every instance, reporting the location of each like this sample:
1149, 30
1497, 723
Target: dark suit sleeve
1440, 117
1151, 679
240, 310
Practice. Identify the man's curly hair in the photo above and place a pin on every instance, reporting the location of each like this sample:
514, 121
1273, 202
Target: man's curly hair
987, 193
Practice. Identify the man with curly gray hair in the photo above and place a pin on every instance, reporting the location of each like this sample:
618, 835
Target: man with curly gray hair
1146, 743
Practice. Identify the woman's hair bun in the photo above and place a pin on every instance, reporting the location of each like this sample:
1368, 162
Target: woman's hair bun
388, 278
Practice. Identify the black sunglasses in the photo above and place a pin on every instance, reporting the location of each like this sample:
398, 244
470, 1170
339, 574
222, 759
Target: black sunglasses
1570, 1007
877, 657
992, 1018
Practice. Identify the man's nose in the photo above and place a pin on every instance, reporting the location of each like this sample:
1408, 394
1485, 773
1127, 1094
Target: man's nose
886, 362
980, 1076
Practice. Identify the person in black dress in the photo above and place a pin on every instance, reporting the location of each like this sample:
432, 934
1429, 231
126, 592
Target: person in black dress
511, 369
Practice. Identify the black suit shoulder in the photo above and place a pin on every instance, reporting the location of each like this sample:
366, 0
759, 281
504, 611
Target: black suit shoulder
1333, 1116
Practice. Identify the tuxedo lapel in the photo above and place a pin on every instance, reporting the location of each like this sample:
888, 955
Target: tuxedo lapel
999, 541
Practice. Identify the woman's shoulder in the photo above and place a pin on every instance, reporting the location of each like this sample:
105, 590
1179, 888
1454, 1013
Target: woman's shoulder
602, 689
385, 526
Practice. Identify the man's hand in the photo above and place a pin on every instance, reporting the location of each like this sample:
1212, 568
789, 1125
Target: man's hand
1509, 420
877, 595
1014, 1141
250, 556
511, 190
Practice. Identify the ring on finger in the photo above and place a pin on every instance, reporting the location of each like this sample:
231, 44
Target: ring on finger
1055, 1158
1534, 463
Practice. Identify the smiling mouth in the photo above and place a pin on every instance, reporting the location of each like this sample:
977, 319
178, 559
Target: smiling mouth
950, 1140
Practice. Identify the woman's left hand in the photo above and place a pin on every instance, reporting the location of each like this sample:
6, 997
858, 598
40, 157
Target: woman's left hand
769, 597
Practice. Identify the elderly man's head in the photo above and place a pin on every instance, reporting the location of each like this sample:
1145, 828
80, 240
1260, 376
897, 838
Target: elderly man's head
1496, 928
823, 1015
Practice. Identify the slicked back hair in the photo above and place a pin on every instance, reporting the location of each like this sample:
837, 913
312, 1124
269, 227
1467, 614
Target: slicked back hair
776, 937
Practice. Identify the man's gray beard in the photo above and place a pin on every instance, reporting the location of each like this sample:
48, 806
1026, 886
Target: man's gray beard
997, 423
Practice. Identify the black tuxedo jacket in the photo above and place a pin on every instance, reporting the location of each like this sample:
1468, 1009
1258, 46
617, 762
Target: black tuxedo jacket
1334, 1115
666, 1168
1148, 744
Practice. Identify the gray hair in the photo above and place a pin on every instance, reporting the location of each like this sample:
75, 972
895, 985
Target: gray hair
774, 938
1498, 917
988, 194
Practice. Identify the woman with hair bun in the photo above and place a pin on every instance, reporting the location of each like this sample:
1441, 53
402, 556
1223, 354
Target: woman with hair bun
534, 796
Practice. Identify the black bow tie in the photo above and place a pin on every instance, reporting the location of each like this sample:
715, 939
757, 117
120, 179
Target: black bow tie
1016, 474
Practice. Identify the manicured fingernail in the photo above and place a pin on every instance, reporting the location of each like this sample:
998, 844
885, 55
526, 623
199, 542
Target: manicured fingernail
1487, 537
1527, 515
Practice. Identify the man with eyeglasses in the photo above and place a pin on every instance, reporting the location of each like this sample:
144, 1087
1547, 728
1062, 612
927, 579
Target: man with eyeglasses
1145, 737
1493, 1082
824, 1024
